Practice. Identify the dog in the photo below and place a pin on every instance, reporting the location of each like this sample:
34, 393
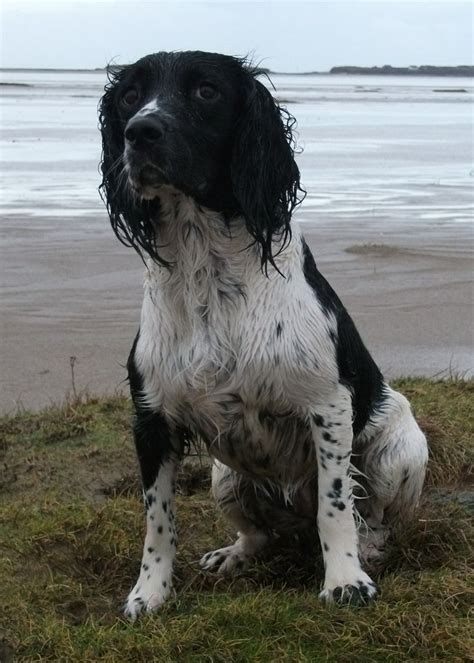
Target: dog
242, 342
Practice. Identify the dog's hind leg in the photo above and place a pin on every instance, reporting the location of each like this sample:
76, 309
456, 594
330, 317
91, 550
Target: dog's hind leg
373, 532
229, 494
393, 457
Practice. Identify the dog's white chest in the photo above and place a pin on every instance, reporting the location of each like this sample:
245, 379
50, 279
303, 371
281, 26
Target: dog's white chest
192, 361
192, 370
230, 353
233, 392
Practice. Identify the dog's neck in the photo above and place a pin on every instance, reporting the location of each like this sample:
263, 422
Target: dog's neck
208, 257
191, 237
212, 260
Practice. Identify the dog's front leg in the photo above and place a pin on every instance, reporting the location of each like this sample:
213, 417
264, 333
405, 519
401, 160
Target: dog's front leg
331, 425
158, 458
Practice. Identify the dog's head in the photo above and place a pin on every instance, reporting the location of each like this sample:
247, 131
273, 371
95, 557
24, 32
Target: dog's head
203, 124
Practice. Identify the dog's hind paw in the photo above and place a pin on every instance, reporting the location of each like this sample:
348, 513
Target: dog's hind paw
372, 544
225, 561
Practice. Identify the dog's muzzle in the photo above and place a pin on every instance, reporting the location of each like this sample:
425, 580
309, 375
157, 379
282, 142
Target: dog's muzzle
143, 138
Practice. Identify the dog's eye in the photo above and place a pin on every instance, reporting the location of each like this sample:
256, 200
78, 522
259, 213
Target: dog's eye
130, 97
207, 92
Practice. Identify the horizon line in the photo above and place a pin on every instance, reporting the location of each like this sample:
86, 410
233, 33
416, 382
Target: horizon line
270, 71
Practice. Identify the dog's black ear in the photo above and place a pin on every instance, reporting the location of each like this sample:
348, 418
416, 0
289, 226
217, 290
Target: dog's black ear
131, 218
264, 174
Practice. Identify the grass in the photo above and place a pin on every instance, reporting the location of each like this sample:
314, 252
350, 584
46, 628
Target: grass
71, 527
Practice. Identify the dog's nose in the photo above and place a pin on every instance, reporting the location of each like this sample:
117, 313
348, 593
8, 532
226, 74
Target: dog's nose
144, 132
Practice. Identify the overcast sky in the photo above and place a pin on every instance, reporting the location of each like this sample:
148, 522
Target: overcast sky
284, 36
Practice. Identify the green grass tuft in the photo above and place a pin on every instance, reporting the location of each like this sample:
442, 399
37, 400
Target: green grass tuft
71, 528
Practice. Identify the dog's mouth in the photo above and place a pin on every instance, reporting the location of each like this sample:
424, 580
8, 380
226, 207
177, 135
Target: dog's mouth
151, 176
147, 180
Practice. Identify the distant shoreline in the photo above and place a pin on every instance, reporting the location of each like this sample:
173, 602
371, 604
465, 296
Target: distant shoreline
424, 70
386, 70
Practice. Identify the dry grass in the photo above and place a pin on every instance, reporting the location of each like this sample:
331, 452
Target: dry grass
71, 525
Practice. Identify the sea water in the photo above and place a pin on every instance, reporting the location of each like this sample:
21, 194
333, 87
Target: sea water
393, 149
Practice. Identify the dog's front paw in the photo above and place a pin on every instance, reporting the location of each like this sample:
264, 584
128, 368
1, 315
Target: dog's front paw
359, 592
225, 561
146, 596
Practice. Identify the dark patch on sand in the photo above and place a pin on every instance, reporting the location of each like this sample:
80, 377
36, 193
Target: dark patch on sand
378, 250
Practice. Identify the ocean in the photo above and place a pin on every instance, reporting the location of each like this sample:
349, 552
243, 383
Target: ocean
396, 148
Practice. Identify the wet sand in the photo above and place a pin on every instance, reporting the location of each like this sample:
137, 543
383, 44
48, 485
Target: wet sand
80, 296
385, 162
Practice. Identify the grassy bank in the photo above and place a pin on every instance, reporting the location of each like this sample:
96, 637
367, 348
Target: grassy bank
71, 528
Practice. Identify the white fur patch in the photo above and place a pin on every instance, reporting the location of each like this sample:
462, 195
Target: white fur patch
155, 580
150, 107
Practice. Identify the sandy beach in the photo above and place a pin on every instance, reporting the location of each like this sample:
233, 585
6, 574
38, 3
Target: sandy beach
411, 298
388, 169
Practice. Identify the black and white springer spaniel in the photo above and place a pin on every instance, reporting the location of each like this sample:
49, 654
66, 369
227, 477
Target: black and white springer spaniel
242, 341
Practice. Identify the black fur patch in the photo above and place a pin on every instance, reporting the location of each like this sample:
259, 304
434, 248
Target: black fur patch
151, 432
357, 369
